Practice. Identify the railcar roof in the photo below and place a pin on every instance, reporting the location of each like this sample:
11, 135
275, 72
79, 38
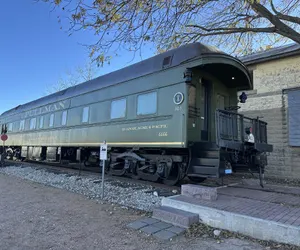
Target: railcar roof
148, 66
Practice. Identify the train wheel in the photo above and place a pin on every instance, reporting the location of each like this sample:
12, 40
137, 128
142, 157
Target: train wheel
117, 168
174, 176
135, 175
196, 179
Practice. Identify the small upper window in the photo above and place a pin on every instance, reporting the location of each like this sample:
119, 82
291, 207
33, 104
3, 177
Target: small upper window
51, 121
147, 103
41, 122
10, 127
32, 123
85, 114
22, 125
64, 118
118, 109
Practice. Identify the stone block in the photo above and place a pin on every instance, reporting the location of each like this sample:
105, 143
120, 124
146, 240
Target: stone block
175, 216
176, 230
164, 235
137, 225
199, 192
149, 220
162, 225
150, 229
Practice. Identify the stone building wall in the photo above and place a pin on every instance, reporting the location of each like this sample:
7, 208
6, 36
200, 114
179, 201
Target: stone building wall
272, 80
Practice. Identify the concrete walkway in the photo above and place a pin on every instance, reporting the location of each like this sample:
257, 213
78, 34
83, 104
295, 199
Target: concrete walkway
272, 213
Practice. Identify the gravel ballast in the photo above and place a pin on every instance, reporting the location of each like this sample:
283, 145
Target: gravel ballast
127, 194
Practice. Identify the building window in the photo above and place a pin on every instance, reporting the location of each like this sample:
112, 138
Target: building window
41, 122
51, 122
32, 123
9, 127
22, 125
293, 117
64, 118
118, 109
85, 114
147, 104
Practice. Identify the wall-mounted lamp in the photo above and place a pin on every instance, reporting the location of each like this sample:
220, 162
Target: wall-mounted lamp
188, 75
243, 97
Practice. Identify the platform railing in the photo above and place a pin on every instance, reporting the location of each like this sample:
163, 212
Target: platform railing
231, 126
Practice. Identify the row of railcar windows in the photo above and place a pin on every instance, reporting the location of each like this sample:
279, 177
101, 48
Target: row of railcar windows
146, 105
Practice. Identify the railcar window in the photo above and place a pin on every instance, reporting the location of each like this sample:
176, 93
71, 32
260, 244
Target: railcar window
64, 118
10, 126
147, 103
41, 122
85, 114
32, 123
22, 125
51, 122
118, 109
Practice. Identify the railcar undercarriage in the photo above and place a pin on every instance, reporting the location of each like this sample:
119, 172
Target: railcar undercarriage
168, 166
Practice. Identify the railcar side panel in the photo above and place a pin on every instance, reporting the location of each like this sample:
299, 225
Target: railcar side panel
164, 128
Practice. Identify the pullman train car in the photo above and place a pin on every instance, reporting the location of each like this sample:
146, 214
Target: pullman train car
164, 118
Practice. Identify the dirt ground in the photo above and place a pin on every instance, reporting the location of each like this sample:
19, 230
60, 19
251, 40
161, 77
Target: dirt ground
34, 216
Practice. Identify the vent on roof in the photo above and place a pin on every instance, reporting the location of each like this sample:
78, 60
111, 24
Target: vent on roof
167, 62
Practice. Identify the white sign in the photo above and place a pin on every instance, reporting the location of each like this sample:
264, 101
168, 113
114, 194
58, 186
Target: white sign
103, 152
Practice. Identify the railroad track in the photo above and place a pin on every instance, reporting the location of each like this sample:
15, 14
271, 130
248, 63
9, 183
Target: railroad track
96, 171
75, 169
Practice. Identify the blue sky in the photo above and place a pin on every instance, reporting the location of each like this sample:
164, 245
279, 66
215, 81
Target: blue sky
35, 52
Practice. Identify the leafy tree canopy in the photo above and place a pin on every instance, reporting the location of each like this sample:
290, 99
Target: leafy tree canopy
236, 26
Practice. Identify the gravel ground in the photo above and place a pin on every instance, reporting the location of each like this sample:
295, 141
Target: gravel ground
128, 194
35, 216
133, 199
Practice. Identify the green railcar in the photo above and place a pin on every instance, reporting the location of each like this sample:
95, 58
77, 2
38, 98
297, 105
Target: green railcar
164, 118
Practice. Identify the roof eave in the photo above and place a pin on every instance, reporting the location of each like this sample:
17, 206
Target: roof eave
271, 58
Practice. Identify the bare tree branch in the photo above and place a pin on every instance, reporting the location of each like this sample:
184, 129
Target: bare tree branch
235, 26
282, 16
72, 78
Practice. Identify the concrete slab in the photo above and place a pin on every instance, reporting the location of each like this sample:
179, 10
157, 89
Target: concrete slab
137, 225
199, 192
259, 219
175, 216
150, 229
162, 225
176, 230
149, 221
164, 235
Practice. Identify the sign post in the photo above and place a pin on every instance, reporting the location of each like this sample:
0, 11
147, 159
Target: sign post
103, 157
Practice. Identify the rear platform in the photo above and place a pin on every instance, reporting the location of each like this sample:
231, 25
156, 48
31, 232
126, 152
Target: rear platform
240, 145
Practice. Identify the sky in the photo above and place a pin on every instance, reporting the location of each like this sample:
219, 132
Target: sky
35, 53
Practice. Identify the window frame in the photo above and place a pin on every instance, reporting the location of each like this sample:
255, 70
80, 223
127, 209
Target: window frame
116, 100
10, 127
137, 103
22, 122
88, 114
66, 117
41, 124
51, 115
30, 123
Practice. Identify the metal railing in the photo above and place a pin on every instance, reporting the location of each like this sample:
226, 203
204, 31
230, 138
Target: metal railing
232, 126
